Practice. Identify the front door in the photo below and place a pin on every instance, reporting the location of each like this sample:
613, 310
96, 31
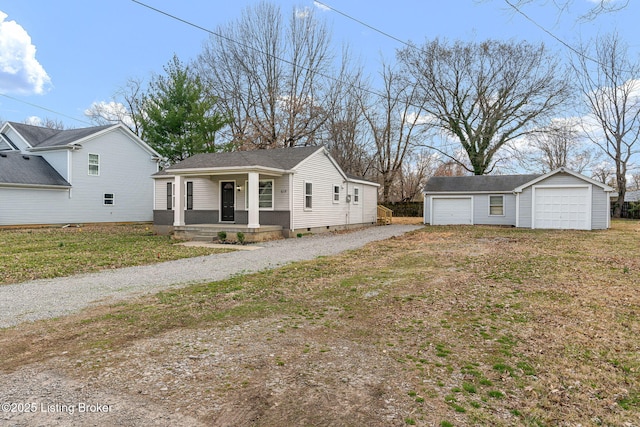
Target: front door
227, 201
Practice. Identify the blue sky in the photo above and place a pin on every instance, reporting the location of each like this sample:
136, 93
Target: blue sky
57, 58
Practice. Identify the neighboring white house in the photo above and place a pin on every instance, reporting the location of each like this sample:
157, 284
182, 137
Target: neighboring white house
89, 175
561, 199
291, 190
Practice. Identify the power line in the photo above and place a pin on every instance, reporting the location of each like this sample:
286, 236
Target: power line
44, 108
270, 55
364, 24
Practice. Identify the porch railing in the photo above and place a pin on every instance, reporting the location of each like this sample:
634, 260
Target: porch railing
385, 215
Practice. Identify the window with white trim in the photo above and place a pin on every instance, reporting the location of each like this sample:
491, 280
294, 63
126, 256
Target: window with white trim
356, 195
336, 194
109, 199
308, 195
94, 164
496, 205
265, 194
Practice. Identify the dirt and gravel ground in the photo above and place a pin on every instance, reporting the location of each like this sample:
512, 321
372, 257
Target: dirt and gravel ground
180, 378
443, 327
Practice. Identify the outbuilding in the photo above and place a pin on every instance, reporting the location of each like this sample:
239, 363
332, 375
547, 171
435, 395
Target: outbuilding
561, 199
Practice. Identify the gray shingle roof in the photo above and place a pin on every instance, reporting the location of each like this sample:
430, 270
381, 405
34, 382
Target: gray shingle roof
278, 158
44, 137
16, 168
476, 183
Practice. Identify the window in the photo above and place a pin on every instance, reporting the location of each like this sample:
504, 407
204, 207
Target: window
496, 205
265, 194
336, 194
94, 164
356, 195
169, 196
109, 199
189, 195
308, 195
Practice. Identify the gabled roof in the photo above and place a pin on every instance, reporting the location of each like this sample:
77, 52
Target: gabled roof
23, 170
279, 158
476, 183
604, 187
39, 137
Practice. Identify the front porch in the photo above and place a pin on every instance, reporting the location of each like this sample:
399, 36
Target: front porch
209, 232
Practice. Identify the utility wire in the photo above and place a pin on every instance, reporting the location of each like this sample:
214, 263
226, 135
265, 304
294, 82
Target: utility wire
364, 24
45, 108
286, 61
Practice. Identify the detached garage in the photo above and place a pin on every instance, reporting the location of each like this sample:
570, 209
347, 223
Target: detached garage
561, 199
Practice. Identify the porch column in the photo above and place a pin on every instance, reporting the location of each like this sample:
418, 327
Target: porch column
178, 208
254, 197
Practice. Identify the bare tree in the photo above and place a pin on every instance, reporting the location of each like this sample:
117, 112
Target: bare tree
599, 7
554, 146
485, 94
393, 121
347, 131
611, 90
274, 77
125, 107
417, 168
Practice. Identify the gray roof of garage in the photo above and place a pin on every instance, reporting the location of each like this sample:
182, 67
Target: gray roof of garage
476, 183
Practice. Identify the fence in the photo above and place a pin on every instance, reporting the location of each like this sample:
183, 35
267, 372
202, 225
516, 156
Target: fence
414, 209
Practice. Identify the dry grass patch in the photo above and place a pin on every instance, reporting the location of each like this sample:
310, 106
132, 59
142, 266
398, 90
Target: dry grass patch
444, 326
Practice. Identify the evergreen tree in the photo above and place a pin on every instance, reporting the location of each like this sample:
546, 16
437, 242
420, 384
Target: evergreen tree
179, 119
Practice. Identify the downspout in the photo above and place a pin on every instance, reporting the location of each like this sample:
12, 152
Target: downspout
292, 225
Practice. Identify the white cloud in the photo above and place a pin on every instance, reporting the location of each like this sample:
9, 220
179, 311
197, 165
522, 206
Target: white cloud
105, 112
322, 7
20, 72
302, 13
34, 121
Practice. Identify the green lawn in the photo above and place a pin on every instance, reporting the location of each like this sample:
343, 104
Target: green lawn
27, 254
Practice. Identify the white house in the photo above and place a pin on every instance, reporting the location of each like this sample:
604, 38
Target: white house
89, 175
561, 199
284, 191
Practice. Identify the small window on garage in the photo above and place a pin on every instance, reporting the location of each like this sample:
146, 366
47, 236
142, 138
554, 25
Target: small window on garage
496, 205
109, 199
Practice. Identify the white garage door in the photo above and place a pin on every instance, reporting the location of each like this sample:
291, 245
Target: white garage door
450, 211
562, 208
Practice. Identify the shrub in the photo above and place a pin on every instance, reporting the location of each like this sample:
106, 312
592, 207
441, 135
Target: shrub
240, 237
222, 236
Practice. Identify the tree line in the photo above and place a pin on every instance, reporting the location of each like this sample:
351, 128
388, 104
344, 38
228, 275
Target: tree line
270, 80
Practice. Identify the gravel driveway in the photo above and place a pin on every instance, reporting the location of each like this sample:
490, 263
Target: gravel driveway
41, 299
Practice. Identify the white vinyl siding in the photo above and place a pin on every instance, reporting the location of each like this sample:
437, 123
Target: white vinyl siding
599, 206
